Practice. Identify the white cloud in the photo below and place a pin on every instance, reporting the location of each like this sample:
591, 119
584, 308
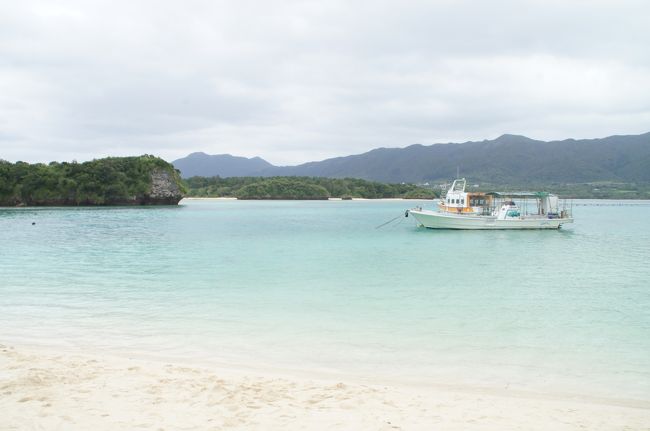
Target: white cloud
294, 81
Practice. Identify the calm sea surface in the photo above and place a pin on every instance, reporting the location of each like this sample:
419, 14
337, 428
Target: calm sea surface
314, 286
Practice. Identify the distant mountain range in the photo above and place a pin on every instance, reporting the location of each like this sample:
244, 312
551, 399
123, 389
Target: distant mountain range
509, 159
223, 165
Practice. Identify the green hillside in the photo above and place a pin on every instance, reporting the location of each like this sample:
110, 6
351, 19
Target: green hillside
110, 181
508, 159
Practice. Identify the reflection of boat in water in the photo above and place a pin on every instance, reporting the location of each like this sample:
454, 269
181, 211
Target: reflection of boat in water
494, 210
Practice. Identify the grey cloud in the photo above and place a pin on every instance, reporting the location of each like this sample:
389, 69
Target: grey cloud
293, 81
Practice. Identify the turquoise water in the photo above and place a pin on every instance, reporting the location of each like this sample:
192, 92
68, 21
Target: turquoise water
314, 286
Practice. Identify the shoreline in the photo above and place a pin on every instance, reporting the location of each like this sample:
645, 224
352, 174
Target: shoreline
576, 202
580, 201
222, 199
301, 200
48, 387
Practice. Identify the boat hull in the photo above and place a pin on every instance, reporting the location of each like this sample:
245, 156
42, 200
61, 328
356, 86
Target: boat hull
437, 220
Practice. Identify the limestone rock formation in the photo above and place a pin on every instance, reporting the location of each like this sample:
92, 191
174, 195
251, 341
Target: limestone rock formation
165, 189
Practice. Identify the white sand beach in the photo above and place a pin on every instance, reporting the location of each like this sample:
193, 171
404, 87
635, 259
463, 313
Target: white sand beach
56, 390
193, 198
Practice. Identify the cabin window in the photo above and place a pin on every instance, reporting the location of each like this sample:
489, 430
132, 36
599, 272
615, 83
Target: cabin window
462, 201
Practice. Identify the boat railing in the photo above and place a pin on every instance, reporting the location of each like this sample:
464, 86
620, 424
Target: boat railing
567, 208
458, 185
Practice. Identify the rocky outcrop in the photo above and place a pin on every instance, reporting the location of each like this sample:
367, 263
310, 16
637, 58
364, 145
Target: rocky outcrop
165, 189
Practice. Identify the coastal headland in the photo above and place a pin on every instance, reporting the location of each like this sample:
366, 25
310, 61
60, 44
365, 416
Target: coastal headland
144, 180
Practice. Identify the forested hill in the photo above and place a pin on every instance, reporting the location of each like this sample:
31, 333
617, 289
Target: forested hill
145, 180
509, 159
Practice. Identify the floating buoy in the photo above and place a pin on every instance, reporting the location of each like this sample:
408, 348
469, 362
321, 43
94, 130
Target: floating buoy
33, 223
406, 213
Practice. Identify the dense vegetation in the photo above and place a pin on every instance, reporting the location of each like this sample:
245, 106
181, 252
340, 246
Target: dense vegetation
301, 188
108, 181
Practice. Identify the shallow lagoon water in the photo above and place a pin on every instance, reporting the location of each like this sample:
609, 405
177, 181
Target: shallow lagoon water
314, 286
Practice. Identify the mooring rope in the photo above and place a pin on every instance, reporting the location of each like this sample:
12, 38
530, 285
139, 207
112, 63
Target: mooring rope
389, 221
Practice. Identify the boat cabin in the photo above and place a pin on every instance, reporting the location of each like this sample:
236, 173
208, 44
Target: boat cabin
458, 201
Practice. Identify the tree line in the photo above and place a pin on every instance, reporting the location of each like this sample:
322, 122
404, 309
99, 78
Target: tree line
301, 188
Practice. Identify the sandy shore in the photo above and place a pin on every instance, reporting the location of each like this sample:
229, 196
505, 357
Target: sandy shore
54, 390
329, 199
190, 198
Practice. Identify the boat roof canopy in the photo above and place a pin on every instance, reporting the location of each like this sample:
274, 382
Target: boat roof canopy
536, 195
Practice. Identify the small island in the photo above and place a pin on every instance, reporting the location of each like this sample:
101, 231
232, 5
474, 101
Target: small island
144, 180
301, 188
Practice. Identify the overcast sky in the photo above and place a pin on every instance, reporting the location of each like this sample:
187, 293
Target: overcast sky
295, 81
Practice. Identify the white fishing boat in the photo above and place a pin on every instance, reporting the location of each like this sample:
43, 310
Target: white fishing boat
460, 209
